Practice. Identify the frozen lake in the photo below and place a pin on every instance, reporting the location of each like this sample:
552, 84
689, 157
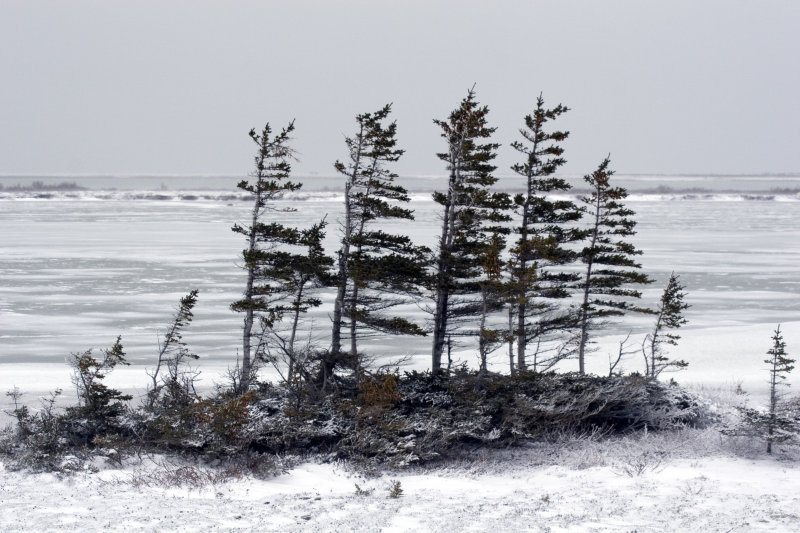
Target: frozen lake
77, 269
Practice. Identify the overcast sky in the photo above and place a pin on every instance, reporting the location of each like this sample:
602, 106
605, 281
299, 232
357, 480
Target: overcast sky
173, 87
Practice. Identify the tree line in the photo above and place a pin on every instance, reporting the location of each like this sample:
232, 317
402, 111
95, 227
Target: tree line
531, 272
534, 273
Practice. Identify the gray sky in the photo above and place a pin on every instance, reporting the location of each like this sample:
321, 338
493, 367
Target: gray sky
173, 87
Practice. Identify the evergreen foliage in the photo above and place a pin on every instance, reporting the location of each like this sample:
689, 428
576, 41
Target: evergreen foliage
780, 364
270, 181
543, 233
177, 386
492, 291
608, 256
472, 212
669, 317
99, 406
297, 273
376, 270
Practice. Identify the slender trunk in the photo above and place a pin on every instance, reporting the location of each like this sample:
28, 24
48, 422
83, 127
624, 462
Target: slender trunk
445, 249
162, 352
247, 330
511, 368
773, 403
293, 334
483, 341
522, 337
584, 316
357, 255
353, 321
442, 285
341, 289
654, 345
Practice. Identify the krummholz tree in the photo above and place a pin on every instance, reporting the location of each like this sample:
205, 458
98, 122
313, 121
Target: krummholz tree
470, 207
376, 270
609, 258
669, 317
269, 182
544, 232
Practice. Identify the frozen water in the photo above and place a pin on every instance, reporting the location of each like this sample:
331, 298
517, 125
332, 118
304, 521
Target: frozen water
79, 268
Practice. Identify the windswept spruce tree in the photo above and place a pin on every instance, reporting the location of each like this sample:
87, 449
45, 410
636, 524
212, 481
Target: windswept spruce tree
470, 208
543, 232
376, 270
177, 384
669, 317
608, 256
270, 181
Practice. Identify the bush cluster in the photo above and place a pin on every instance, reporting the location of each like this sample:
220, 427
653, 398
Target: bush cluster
385, 419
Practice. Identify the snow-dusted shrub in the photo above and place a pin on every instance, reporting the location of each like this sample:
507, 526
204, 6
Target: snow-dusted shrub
424, 416
38, 441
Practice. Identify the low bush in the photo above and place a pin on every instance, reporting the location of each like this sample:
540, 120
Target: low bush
385, 419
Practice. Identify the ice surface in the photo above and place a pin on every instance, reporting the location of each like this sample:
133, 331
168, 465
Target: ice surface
76, 273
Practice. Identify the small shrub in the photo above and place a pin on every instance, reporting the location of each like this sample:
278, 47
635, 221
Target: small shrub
395, 489
637, 464
363, 492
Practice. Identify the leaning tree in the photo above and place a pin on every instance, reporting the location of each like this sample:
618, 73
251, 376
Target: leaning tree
269, 182
609, 258
470, 209
669, 317
544, 232
377, 270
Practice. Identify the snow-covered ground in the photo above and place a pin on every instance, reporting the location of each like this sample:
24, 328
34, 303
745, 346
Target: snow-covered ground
692, 481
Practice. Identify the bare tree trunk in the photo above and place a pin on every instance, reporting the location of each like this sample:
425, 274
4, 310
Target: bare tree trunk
293, 334
247, 330
522, 337
341, 290
442, 283
353, 321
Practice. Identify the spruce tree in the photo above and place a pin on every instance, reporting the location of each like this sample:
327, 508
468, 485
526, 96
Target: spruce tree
270, 181
608, 256
777, 427
669, 317
780, 423
543, 231
177, 385
470, 207
296, 272
376, 270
